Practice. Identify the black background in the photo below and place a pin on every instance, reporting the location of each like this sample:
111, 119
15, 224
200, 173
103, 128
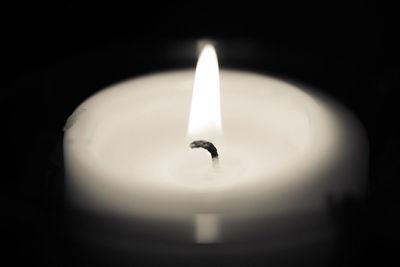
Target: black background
54, 56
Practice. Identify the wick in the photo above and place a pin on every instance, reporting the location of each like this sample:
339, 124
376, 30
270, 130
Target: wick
206, 145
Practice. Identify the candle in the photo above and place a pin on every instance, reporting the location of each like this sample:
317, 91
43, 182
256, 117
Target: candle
282, 148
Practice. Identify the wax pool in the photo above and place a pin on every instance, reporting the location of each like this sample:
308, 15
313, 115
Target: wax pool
283, 149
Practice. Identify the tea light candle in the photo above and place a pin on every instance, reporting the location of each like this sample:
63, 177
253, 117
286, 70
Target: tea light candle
282, 148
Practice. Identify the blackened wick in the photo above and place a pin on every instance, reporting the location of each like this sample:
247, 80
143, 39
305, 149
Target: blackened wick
206, 145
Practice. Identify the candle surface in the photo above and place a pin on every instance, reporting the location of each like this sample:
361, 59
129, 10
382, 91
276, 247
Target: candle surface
282, 149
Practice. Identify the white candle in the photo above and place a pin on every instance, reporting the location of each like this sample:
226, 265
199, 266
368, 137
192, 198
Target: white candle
282, 148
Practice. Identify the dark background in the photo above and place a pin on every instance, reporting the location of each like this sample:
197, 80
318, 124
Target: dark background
56, 56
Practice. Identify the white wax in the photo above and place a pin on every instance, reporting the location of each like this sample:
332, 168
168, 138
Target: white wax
283, 149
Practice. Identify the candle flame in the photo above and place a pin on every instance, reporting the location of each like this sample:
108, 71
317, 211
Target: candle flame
205, 112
